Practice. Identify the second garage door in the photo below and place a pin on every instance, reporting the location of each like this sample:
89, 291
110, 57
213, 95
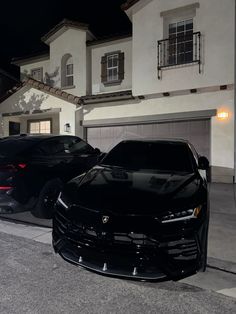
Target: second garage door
195, 131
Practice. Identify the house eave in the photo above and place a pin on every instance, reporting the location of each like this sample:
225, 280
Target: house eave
63, 26
109, 39
30, 59
128, 4
106, 97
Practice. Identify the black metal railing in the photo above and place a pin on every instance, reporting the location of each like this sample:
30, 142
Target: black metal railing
179, 50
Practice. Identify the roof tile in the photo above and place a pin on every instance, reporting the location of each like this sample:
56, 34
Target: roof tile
57, 92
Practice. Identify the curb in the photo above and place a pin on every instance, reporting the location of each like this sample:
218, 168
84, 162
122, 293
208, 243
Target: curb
221, 265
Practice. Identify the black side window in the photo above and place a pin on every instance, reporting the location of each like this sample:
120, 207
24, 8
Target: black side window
76, 145
50, 148
62, 146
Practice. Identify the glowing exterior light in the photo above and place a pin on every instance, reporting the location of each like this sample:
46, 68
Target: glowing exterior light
222, 115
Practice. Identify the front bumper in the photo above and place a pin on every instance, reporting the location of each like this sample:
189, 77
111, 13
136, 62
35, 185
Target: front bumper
175, 253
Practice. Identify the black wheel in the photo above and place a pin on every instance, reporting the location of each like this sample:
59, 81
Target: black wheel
44, 207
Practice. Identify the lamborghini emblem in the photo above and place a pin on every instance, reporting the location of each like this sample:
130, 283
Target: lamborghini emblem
105, 219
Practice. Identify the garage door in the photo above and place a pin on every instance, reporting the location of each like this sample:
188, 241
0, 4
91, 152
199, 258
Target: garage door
195, 131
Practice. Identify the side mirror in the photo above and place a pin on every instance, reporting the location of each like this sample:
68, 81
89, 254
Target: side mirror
203, 163
97, 151
102, 155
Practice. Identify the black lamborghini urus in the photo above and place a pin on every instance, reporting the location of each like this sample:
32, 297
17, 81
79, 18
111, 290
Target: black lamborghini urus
142, 213
33, 169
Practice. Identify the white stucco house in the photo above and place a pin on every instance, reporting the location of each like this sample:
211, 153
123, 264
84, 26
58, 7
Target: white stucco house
172, 77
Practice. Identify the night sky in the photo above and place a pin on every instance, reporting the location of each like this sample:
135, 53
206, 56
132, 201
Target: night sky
23, 23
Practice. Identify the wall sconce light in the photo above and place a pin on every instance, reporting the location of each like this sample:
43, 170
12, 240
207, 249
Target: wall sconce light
67, 127
222, 115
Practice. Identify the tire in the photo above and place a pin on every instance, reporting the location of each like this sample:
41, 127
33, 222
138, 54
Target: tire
44, 207
203, 262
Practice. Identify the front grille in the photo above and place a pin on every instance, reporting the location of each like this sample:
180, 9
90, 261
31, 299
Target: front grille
183, 249
90, 235
80, 234
137, 239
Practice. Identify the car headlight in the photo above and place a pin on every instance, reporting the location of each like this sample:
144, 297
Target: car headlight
59, 200
182, 215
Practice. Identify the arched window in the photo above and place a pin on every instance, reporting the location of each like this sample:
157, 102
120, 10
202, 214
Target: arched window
67, 71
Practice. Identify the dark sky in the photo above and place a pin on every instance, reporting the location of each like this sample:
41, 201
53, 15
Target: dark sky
23, 23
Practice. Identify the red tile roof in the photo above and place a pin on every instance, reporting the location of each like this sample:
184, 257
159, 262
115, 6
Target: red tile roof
57, 92
128, 4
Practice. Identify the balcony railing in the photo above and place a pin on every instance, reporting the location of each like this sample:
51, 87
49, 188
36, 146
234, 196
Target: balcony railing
179, 50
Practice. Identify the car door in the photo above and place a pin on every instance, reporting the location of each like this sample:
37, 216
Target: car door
48, 160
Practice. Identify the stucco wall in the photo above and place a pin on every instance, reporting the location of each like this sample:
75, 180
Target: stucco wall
214, 19
98, 51
29, 99
72, 41
26, 69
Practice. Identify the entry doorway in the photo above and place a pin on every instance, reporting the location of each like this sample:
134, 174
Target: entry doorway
14, 128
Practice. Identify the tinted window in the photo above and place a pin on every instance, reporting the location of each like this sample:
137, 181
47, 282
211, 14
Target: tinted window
14, 146
50, 147
63, 145
77, 146
163, 156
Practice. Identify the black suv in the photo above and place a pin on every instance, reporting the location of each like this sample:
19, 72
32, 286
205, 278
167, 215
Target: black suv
33, 169
142, 213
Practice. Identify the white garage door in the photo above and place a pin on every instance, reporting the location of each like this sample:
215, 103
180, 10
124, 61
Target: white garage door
195, 131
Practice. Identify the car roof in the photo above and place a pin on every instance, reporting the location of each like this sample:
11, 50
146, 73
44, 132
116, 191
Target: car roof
156, 140
32, 137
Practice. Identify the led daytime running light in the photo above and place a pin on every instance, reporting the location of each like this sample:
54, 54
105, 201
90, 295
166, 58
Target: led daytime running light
182, 215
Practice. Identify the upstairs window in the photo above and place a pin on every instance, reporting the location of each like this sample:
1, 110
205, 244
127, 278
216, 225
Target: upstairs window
181, 42
112, 68
67, 71
37, 74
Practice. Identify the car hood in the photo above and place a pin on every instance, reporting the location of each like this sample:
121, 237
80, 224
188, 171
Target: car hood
133, 191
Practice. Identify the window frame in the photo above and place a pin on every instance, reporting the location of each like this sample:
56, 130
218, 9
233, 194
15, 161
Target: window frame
177, 43
66, 61
38, 121
113, 56
69, 75
40, 69
120, 77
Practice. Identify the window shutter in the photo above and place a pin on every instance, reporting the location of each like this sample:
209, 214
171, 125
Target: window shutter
104, 69
121, 73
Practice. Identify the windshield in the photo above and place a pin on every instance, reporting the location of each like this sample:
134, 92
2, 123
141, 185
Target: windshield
161, 156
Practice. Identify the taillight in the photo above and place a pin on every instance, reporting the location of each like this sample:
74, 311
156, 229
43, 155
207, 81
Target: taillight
21, 165
12, 167
5, 188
